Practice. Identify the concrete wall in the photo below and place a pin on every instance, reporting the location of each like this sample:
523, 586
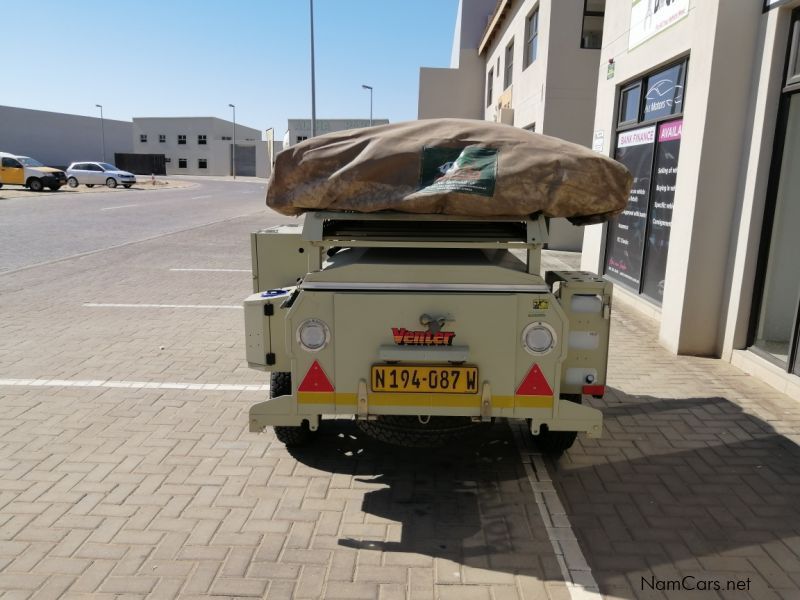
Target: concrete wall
556, 92
58, 139
216, 151
452, 92
458, 91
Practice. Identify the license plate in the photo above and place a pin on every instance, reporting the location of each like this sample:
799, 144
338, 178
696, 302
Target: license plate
425, 379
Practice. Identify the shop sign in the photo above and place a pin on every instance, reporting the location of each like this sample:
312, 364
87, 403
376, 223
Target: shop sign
659, 215
599, 141
664, 93
650, 17
625, 245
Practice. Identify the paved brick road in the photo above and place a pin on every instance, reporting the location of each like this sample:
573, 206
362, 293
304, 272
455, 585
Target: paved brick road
139, 491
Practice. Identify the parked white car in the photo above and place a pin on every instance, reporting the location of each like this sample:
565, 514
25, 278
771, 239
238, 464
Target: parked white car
98, 173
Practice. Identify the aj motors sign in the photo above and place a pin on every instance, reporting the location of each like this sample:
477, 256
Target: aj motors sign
650, 17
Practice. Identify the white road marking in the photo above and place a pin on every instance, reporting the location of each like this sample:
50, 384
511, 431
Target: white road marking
201, 197
116, 207
135, 385
216, 270
576, 572
98, 305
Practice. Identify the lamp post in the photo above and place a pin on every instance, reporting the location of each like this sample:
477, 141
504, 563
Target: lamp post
313, 91
369, 87
233, 148
102, 132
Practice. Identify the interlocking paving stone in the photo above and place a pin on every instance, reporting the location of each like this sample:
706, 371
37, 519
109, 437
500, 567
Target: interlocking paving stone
121, 492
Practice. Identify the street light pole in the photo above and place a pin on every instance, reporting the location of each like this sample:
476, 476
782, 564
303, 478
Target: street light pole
369, 87
102, 132
313, 91
233, 148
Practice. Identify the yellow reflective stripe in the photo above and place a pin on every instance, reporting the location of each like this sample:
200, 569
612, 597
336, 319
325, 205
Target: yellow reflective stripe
438, 400
534, 401
316, 397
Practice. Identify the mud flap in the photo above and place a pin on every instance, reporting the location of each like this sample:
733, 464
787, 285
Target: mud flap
574, 417
279, 411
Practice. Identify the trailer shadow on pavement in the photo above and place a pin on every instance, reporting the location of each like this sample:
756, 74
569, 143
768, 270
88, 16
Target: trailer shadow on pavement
681, 492
681, 495
470, 503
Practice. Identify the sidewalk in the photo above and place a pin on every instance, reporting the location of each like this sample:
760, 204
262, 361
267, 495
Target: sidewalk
697, 475
127, 470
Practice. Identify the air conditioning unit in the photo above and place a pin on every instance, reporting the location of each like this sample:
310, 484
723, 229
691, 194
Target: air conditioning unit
504, 116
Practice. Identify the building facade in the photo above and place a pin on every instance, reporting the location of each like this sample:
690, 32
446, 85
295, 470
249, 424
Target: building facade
701, 100
300, 129
58, 139
527, 63
202, 146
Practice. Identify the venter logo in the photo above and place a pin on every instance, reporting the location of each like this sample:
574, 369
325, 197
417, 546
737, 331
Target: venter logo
405, 337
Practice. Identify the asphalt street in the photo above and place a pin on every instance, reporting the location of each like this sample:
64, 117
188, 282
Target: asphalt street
38, 228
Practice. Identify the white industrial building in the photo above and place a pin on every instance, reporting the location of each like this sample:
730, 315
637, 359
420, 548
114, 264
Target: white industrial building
300, 129
58, 139
700, 99
528, 63
202, 145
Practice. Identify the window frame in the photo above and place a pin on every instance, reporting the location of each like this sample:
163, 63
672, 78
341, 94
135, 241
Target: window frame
531, 41
793, 63
181, 139
508, 70
202, 139
202, 163
635, 121
640, 122
162, 138
142, 138
591, 13
489, 87
183, 163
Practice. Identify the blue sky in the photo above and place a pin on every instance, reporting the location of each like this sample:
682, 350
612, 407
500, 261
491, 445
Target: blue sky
193, 58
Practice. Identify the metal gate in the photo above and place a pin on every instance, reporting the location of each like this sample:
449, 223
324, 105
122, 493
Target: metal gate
141, 164
245, 160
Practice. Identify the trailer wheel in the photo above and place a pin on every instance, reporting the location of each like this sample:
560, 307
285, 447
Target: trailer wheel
410, 432
280, 384
554, 442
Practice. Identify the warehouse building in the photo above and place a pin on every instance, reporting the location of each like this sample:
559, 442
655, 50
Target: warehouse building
202, 146
300, 129
58, 139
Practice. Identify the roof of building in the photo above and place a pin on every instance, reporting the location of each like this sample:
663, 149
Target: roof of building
495, 19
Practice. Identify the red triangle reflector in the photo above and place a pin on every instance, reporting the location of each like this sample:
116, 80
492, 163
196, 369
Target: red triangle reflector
315, 380
534, 384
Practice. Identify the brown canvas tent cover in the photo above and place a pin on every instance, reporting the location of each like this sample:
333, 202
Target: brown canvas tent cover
450, 166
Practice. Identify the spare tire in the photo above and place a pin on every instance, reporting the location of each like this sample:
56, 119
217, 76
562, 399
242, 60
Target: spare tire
408, 431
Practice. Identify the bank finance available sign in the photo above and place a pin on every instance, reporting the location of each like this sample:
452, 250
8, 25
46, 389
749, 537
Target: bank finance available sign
649, 17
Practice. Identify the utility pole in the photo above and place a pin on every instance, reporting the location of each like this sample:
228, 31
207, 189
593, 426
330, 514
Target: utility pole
313, 91
233, 148
102, 132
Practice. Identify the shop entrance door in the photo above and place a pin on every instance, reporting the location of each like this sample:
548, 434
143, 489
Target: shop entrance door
776, 332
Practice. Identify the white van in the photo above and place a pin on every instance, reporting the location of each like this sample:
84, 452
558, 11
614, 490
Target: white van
30, 173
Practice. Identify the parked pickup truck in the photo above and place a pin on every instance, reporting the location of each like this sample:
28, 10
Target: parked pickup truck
30, 173
421, 326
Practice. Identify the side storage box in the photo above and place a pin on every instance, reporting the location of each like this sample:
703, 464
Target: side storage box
280, 257
265, 330
586, 300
